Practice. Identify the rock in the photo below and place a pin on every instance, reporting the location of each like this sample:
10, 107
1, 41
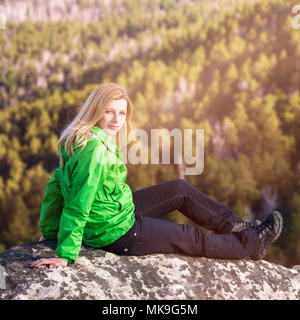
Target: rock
99, 275
296, 267
53, 10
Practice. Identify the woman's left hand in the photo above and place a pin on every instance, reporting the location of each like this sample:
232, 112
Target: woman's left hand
54, 262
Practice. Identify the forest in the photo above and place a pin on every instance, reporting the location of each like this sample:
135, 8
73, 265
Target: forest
228, 67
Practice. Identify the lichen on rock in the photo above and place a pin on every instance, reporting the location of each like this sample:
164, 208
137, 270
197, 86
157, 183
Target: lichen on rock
100, 275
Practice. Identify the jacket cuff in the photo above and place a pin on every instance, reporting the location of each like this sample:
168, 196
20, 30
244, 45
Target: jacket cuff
67, 259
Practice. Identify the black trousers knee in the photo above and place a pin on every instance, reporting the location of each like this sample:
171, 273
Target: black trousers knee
150, 234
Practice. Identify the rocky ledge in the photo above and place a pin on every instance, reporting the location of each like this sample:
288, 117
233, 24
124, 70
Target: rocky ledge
99, 275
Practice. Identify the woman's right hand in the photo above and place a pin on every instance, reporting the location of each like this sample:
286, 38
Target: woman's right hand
53, 262
42, 239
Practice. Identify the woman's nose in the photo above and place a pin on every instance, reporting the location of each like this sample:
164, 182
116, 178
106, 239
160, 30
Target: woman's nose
116, 117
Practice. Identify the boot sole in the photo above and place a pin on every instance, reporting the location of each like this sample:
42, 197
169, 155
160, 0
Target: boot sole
279, 216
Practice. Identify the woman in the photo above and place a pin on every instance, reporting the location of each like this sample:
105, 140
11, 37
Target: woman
87, 198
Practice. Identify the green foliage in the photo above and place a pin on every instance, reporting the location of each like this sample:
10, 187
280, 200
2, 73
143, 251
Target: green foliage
232, 71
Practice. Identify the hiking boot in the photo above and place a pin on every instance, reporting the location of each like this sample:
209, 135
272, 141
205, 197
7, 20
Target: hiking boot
242, 225
268, 232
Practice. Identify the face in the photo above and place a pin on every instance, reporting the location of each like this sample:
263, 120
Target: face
114, 117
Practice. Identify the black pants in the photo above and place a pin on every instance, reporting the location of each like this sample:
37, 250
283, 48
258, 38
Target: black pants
150, 234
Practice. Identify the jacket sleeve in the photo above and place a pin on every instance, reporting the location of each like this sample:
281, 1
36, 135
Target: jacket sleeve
51, 207
86, 176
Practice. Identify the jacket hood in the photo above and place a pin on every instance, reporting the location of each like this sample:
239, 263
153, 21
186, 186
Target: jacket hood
95, 133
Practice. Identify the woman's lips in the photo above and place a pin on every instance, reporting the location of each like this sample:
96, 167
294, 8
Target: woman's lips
114, 127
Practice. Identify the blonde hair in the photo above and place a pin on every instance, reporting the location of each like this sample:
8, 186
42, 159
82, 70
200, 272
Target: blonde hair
90, 114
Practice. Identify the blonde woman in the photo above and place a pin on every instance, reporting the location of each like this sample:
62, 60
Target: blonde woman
88, 201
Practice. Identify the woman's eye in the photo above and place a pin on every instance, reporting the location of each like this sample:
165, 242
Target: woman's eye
111, 112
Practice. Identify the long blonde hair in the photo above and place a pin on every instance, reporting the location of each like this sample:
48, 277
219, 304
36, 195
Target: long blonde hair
89, 115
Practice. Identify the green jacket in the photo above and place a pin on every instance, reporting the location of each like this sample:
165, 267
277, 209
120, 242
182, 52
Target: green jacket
88, 200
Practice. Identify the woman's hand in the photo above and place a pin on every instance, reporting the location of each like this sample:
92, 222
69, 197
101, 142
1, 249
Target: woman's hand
54, 262
42, 239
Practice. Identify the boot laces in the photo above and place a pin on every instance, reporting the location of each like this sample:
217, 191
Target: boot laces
262, 229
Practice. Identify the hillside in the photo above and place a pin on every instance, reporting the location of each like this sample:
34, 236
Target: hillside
229, 68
